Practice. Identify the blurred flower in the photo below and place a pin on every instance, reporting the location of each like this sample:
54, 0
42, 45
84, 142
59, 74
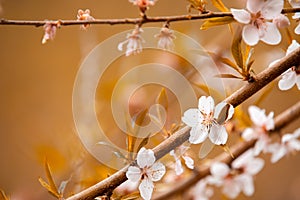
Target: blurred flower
201, 191
50, 31
165, 39
134, 42
257, 19
292, 76
289, 144
239, 178
179, 152
262, 124
208, 120
281, 21
147, 172
84, 16
143, 4
297, 17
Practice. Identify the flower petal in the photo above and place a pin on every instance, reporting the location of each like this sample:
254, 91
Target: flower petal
158, 171
258, 116
219, 169
288, 80
297, 29
278, 153
218, 134
223, 112
248, 134
246, 182
133, 174
250, 35
254, 6
271, 34
241, 15
292, 46
198, 134
271, 8
231, 188
145, 157
206, 104
146, 189
189, 162
192, 117
254, 166
178, 167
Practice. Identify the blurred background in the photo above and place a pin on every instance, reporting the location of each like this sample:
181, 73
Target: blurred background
36, 84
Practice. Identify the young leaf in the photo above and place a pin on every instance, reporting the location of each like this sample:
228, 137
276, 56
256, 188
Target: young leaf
3, 195
50, 186
219, 5
236, 48
218, 21
226, 61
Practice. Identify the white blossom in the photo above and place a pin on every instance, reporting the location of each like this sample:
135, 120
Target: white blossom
50, 31
146, 172
292, 76
289, 144
134, 42
257, 19
262, 124
165, 39
178, 153
238, 178
143, 4
208, 121
84, 16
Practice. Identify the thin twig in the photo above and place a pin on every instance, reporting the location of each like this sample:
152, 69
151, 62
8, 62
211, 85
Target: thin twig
281, 120
143, 20
182, 135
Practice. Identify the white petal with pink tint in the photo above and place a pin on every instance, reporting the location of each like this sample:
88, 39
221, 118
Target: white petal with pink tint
250, 35
254, 5
241, 15
271, 35
271, 8
288, 80
146, 188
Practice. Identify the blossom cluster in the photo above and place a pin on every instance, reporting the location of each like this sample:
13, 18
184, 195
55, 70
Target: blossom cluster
262, 19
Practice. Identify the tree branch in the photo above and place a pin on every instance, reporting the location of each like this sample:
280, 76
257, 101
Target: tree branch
261, 80
281, 120
142, 20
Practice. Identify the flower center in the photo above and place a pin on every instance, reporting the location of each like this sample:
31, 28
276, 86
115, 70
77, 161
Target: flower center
257, 20
208, 119
144, 173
